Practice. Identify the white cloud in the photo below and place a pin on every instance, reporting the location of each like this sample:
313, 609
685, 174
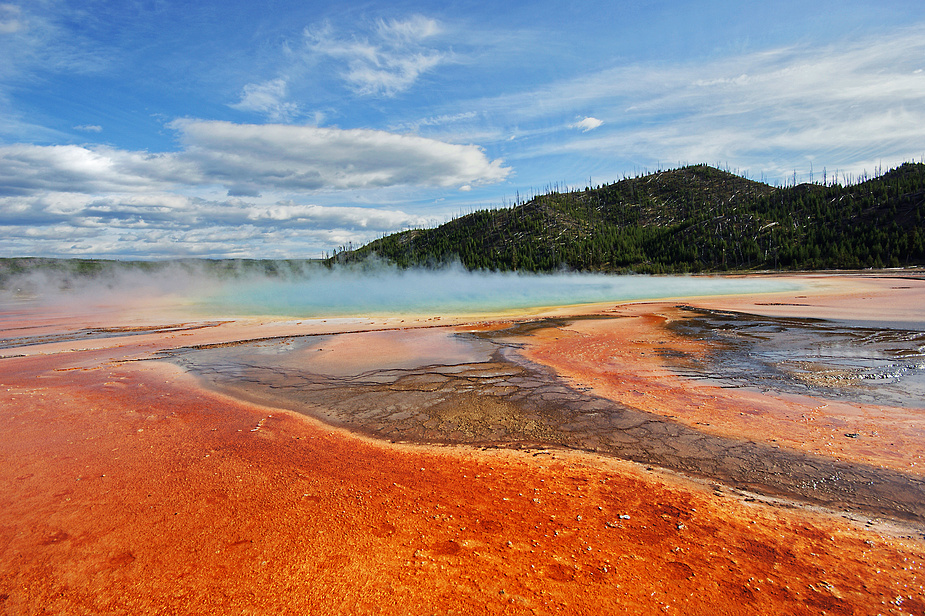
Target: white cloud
41, 35
39, 38
248, 159
440, 120
324, 217
269, 98
167, 224
844, 103
123, 203
389, 61
587, 124
90, 128
384, 58
411, 30
27, 169
304, 158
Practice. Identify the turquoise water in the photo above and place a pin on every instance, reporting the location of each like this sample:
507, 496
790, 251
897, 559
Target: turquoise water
378, 290
450, 291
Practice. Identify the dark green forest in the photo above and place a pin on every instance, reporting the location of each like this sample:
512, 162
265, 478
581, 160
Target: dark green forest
692, 219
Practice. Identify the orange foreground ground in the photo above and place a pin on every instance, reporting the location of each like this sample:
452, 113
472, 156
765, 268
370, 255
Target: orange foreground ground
127, 488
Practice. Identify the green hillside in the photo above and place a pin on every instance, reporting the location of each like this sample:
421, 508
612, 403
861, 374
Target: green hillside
696, 218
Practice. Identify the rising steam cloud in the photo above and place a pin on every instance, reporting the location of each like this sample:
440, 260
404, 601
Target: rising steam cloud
306, 290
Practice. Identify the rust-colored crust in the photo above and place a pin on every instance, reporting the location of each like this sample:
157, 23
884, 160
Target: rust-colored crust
127, 488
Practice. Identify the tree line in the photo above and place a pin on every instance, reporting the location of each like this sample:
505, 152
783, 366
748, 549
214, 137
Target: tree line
692, 219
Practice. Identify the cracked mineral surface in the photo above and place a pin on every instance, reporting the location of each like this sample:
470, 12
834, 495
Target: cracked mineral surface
491, 395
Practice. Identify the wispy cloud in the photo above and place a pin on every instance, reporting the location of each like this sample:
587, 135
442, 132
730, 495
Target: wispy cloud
587, 124
269, 98
385, 62
382, 58
39, 37
10, 19
846, 104
438, 121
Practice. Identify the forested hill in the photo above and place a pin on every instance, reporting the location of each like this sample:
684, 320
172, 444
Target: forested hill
691, 219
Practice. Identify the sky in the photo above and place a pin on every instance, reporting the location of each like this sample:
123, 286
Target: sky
153, 129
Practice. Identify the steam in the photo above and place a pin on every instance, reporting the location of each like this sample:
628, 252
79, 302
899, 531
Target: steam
304, 289
85, 286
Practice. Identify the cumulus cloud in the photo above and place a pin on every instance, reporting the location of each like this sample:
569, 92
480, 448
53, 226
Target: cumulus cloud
386, 62
27, 169
301, 158
159, 202
166, 224
169, 210
248, 159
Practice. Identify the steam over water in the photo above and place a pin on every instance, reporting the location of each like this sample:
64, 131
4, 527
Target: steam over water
368, 290
455, 291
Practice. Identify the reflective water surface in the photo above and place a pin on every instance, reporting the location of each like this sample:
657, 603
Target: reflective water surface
834, 359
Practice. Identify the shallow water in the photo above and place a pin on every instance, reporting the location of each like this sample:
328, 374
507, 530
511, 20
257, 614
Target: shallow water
460, 292
380, 290
827, 358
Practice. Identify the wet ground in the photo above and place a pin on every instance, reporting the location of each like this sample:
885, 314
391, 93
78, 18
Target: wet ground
18, 337
475, 386
842, 360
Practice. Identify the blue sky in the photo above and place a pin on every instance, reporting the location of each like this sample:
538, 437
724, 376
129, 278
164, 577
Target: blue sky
154, 128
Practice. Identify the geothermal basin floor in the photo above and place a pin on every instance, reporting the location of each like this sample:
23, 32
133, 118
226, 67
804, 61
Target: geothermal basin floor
554, 464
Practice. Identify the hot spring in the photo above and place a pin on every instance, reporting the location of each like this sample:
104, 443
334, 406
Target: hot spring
380, 290
349, 293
